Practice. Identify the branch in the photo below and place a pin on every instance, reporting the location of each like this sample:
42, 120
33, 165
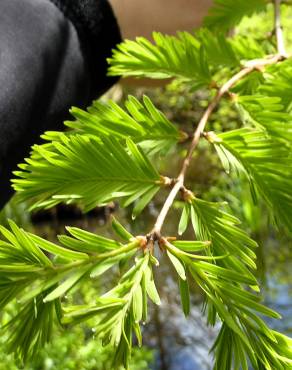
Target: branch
166, 207
249, 67
278, 29
138, 242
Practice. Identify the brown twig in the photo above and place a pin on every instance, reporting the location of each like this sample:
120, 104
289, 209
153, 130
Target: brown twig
278, 29
251, 66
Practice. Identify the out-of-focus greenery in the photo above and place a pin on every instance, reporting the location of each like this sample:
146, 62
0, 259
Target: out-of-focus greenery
261, 24
15, 211
75, 349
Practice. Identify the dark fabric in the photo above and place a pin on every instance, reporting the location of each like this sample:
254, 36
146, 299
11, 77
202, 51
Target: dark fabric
47, 64
98, 31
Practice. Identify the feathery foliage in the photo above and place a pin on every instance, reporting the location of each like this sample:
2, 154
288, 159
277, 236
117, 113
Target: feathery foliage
92, 172
193, 58
106, 155
181, 56
38, 282
278, 83
226, 14
143, 123
266, 163
224, 283
264, 112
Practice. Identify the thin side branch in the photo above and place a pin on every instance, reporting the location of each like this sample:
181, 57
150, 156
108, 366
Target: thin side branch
251, 66
278, 29
166, 207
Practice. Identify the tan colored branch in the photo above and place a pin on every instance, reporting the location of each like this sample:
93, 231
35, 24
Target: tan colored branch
250, 66
278, 29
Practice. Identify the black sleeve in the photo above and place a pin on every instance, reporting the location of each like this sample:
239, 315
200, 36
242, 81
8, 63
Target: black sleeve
52, 56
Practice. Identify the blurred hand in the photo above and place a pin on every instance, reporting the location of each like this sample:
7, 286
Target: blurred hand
142, 17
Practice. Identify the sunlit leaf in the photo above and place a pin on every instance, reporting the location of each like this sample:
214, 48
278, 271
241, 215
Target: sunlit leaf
91, 172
